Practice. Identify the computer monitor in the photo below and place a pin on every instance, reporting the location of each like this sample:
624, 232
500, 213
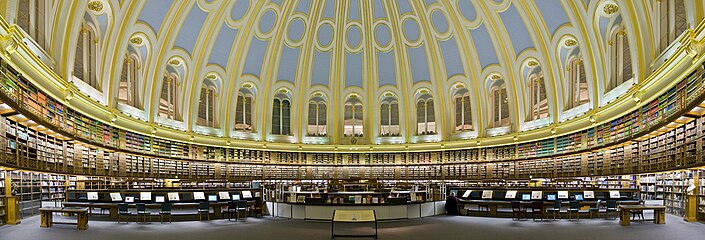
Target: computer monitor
159, 199
526, 197
578, 197
551, 197
129, 199
454, 192
236, 197
212, 198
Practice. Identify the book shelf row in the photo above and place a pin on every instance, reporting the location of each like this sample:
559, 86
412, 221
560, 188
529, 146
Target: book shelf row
680, 145
27, 99
31, 189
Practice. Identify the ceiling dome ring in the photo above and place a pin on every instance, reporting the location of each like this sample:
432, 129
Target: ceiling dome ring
439, 22
267, 22
411, 32
383, 36
237, 13
296, 29
325, 35
354, 37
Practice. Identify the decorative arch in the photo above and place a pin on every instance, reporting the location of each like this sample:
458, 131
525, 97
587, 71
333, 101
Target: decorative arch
317, 115
389, 115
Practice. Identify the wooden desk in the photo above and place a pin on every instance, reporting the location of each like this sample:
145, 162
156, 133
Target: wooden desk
217, 206
47, 216
659, 213
494, 204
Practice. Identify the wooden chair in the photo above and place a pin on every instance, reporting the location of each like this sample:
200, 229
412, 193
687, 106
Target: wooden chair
142, 211
165, 211
537, 208
257, 208
574, 207
555, 209
611, 206
596, 209
232, 209
123, 210
638, 213
242, 207
204, 208
517, 211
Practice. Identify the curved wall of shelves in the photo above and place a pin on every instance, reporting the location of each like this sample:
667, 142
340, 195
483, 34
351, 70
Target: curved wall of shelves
651, 128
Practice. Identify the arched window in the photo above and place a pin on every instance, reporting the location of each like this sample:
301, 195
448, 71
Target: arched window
463, 111
85, 60
243, 110
30, 17
206, 107
317, 117
539, 101
672, 21
621, 65
425, 115
500, 105
281, 118
577, 83
389, 117
168, 97
128, 88
353, 117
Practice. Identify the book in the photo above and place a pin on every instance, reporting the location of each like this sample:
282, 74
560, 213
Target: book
246, 194
224, 195
467, 193
511, 194
92, 196
487, 194
116, 197
199, 196
173, 197
145, 196
615, 194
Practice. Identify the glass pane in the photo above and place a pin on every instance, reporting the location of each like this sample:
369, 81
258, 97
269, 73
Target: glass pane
322, 114
286, 123
248, 113
276, 117
312, 114
384, 114
395, 114
239, 111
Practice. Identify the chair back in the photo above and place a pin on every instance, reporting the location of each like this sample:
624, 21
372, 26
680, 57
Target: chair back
166, 206
204, 205
232, 204
516, 206
611, 204
597, 205
536, 205
122, 207
242, 204
574, 205
140, 207
557, 204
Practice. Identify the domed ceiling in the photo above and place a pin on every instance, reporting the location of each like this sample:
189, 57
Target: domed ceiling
452, 69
